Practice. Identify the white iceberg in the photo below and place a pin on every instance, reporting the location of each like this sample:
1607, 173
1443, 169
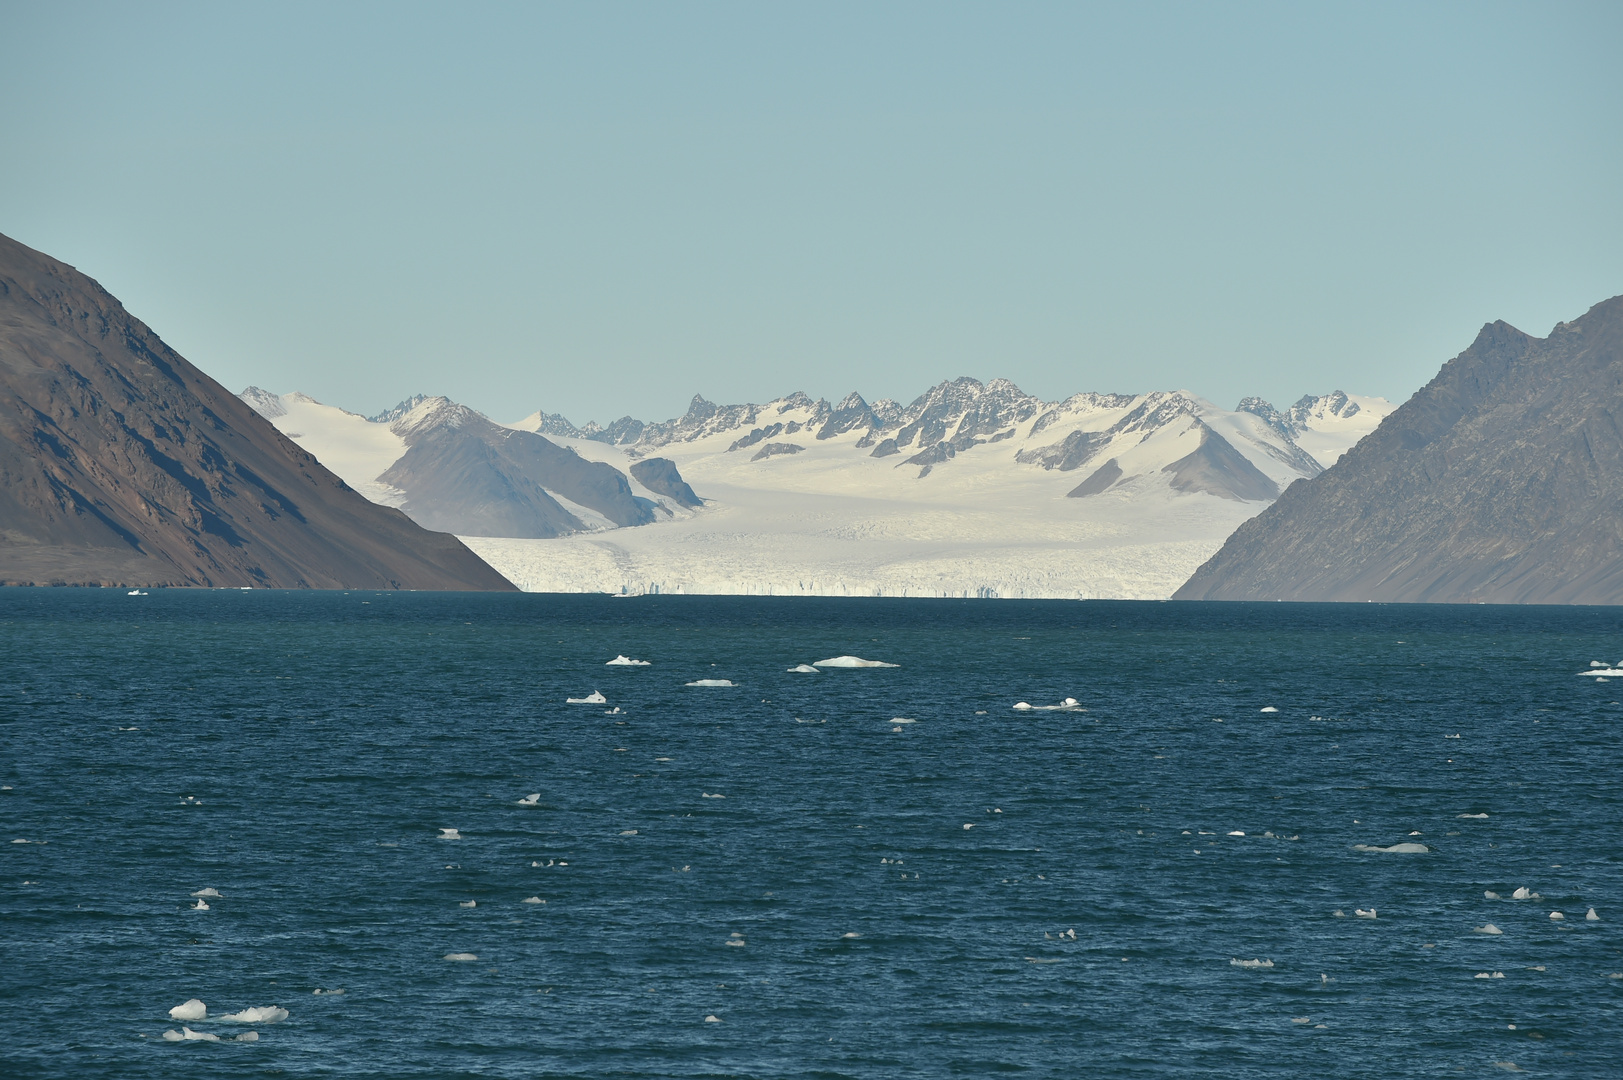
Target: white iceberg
594, 698
1488, 928
189, 1010
804, 669
1590, 916
852, 662
1524, 893
265, 1014
710, 682
625, 661
530, 799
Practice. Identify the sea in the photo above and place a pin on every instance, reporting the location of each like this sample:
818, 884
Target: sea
1262, 839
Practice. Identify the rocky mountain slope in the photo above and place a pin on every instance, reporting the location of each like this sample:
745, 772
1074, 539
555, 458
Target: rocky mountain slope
1500, 481
121, 463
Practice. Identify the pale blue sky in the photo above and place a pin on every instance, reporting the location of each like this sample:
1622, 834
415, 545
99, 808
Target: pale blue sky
604, 208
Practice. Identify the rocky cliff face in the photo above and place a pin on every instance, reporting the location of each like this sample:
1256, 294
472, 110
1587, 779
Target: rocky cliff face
121, 463
1500, 481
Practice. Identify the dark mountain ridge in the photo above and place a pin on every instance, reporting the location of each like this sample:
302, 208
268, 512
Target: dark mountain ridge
121, 463
1500, 481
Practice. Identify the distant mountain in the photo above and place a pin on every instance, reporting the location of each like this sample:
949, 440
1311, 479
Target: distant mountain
121, 463
1500, 481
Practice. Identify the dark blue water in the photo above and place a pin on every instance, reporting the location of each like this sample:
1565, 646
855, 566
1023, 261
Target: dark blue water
301, 752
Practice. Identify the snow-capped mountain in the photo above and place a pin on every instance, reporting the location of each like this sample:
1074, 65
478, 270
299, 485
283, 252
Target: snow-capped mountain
972, 489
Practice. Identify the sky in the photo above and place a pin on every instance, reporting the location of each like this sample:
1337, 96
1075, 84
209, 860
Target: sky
602, 209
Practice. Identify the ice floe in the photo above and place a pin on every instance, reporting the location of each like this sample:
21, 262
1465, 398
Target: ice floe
625, 661
532, 900
594, 698
712, 1019
1491, 895
265, 1014
449, 834
1487, 928
1070, 704
804, 669
1489, 975
207, 892
248, 1036
1395, 849
851, 662
319, 990
461, 957
1365, 913
1253, 964
1590, 916
192, 1009
531, 799
470, 903
1557, 915
710, 795
1607, 671
201, 905
186, 1034
902, 720
1524, 893
1267, 708
710, 682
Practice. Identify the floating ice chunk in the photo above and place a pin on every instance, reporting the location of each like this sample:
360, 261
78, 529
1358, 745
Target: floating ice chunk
625, 661
1524, 893
902, 720
712, 1019
1251, 963
851, 662
531, 799
1267, 708
1491, 895
207, 892
1365, 913
1602, 670
186, 1034
738, 941
470, 903
266, 1014
1236, 832
201, 905
628, 832
192, 1009
804, 669
708, 795
1557, 915
1301, 1019
970, 825
449, 834
1590, 916
1395, 849
710, 682
532, 900
1472, 816
594, 698
461, 957
1488, 928
248, 1036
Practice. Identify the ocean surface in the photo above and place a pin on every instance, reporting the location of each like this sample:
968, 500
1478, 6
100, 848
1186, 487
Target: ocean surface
871, 872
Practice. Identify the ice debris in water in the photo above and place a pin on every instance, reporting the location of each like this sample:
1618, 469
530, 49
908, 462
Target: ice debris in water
449, 834
902, 720
1488, 975
594, 698
192, 1009
201, 905
532, 900
1267, 708
712, 1019
708, 795
1364, 913
1590, 916
265, 1014
1491, 895
1488, 928
851, 662
461, 957
1395, 849
531, 799
804, 669
1251, 963
625, 661
710, 682
186, 1034
1557, 915
206, 892
1524, 893
1070, 704
470, 903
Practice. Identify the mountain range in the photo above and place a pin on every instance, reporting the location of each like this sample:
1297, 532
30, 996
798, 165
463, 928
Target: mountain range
971, 489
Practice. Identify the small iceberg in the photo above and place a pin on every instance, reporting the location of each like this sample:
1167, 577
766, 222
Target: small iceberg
470, 903
461, 957
193, 1009
208, 892
804, 669
712, 1019
1524, 893
532, 900
1365, 913
1395, 849
851, 662
531, 799
710, 682
902, 720
1070, 704
1487, 928
1252, 964
1267, 708
1557, 915
594, 698
266, 1014
625, 661
201, 905
1590, 916
449, 834
186, 1034
1491, 895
